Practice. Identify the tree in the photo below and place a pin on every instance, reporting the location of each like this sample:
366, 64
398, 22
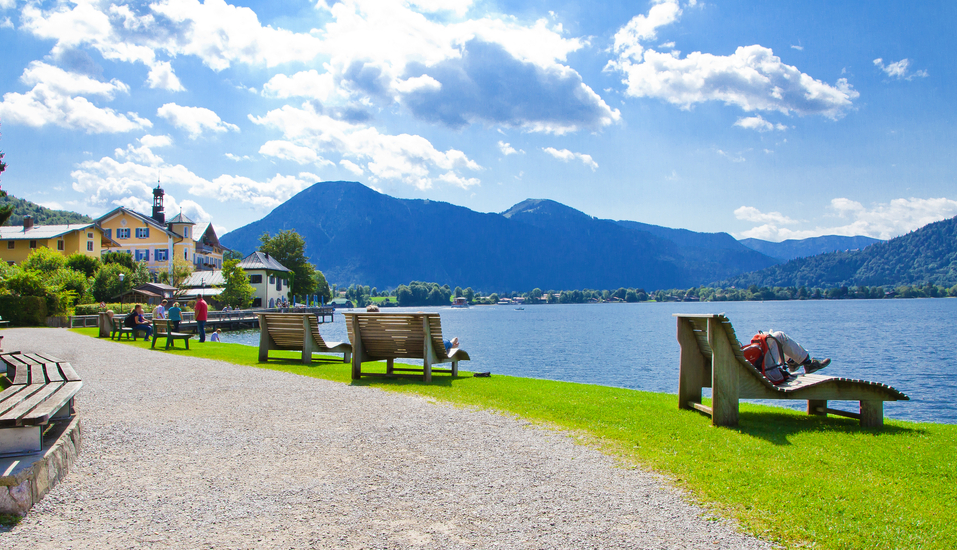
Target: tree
288, 248
238, 292
469, 294
181, 271
321, 287
232, 255
107, 284
122, 258
87, 265
5, 211
44, 261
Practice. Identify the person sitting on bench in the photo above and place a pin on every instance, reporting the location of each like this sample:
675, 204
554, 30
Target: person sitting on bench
140, 322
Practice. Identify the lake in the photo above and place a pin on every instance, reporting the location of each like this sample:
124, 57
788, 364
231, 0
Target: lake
908, 344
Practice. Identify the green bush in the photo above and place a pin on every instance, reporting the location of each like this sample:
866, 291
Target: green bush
24, 311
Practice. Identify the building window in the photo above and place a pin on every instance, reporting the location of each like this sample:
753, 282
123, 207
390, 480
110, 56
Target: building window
278, 284
142, 232
11, 245
186, 231
89, 245
254, 279
33, 244
89, 235
161, 255
108, 233
272, 279
59, 244
143, 255
123, 233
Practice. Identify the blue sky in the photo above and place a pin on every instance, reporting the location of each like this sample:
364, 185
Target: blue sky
763, 119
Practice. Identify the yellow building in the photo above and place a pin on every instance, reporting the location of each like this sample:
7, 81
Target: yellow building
157, 242
20, 241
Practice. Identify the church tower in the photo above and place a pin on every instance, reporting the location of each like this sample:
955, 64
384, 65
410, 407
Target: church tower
158, 214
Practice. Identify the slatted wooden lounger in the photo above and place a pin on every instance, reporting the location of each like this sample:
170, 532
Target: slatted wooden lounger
163, 328
297, 332
41, 390
390, 336
711, 357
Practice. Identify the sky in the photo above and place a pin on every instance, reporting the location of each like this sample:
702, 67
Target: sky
772, 120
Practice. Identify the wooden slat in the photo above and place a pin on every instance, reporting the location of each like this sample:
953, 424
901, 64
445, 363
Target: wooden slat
21, 371
38, 375
53, 372
69, 374
11, 418
54, 402
12, 396
698, 406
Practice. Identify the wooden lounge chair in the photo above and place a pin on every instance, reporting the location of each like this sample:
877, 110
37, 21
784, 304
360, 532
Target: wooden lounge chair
164, 328
711, 357
390, 336
298, 332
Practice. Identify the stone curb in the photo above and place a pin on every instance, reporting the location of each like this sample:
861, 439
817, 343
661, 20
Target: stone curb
25, 487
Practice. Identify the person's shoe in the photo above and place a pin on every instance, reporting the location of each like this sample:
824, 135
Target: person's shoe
793, 366
816, 365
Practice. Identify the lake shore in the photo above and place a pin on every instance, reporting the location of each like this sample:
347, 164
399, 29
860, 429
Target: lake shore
186, 452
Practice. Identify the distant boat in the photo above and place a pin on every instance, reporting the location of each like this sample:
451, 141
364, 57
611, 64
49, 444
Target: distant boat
460, 302
519, 309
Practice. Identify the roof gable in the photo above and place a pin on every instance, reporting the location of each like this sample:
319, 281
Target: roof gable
261, 260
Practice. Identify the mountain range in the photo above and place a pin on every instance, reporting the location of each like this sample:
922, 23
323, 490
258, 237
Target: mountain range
925, 255
354, 234
802, 248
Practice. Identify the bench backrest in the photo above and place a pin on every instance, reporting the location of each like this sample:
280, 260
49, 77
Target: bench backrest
161, 326
720, 322
286, 329
396, 335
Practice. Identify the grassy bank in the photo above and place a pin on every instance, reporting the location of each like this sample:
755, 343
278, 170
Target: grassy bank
799, 480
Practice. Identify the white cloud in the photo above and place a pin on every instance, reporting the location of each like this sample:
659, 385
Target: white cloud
6, 23
162, 76
128, 177
507, 149
237, 158
758, 123
798, 48
290, 151
733, 157
352, 167
403, 157
218, 33
194, 120
56, 98
302, 84
881, 221
898, 69
752, 214
752, 78
565, 155
156, 141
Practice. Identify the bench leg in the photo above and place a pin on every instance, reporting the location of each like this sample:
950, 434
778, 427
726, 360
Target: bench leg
817, 407
389, 364
455, 368
24, 440
872, 414
347, 357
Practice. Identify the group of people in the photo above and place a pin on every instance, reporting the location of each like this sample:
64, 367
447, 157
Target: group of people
137, 320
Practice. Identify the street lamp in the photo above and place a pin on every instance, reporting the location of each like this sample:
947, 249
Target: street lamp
122, 276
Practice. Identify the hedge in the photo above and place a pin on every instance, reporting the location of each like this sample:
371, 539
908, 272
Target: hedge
24, 311
93, 309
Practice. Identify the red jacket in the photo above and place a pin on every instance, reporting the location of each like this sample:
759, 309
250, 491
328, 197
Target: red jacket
201, 310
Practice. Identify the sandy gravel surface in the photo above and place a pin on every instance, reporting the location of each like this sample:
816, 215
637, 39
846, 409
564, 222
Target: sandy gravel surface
189, 453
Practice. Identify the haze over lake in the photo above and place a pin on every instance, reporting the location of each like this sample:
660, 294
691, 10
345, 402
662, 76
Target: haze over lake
907, 344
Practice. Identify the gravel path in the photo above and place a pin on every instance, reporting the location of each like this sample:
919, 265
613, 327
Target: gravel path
190, 453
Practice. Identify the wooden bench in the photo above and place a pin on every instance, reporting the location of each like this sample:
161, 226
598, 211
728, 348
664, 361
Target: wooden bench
119, 330
41, 389
164, 328
390, 336
711, 357
296, 332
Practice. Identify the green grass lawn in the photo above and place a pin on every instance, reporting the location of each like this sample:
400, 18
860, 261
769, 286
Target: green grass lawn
798, 480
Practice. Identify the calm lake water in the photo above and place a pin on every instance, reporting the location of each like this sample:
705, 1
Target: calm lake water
908, 344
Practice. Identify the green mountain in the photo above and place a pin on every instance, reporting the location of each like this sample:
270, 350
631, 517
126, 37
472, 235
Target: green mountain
802, 248
41, 215
927, 255
355, 235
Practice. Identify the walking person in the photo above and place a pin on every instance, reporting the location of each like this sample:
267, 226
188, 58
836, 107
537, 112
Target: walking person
160, 311
202, 310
